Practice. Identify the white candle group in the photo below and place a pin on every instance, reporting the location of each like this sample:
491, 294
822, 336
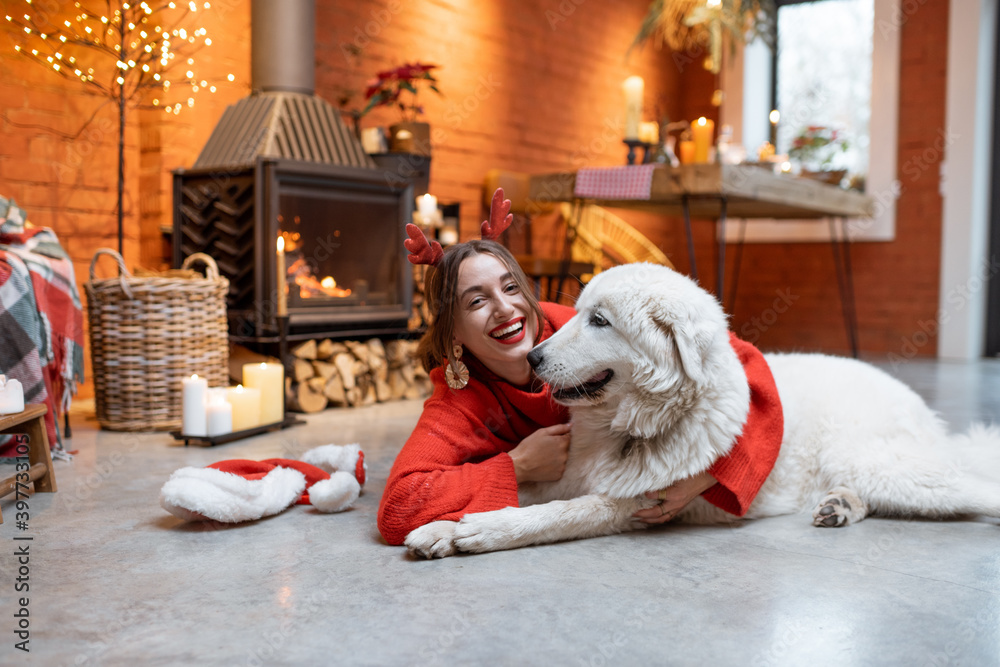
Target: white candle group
194, 420
11, 396
219, 413
246, 407
269, 379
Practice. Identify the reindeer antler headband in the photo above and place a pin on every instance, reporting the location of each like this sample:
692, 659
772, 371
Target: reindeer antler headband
423, 251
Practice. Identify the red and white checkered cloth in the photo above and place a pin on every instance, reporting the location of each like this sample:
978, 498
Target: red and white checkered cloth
631, 182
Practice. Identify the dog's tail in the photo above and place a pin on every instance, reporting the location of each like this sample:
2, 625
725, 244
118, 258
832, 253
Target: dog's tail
960, 476
977, 453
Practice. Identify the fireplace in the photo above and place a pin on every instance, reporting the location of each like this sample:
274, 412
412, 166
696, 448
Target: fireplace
282, 164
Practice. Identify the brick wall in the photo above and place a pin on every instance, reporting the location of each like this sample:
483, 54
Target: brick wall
528, 86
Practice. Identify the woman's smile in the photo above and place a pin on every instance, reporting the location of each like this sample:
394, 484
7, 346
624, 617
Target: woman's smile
493, 320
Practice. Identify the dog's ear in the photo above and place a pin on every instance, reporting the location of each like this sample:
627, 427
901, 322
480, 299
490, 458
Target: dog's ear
691, 340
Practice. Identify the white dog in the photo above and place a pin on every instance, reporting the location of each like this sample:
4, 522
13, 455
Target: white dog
658, 394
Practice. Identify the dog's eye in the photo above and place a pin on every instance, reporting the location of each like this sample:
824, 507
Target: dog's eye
598, 320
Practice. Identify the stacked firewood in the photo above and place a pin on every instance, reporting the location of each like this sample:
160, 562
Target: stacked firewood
419, 314
352, 373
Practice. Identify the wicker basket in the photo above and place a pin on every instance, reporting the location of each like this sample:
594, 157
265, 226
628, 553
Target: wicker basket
146, 335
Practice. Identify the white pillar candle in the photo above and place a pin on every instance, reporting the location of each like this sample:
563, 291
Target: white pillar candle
427, 206
246, 407
11, 396
633, 87
282, 278
270, 380
193, 415
220, 413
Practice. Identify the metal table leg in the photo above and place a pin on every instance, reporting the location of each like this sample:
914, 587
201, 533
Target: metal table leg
845, 280
721, 282
690, 239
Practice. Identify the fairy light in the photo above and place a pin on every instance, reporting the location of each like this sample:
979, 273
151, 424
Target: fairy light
143, 49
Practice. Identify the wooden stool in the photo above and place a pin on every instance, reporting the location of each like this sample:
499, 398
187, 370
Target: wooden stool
32, 422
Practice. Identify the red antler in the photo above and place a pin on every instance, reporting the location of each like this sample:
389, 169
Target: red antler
421, 252
500, 216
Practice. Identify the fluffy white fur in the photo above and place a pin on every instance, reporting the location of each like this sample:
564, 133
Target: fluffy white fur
332, 458
856, 441
198, 494
335, 494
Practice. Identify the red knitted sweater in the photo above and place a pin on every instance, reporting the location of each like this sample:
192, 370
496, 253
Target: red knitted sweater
456, 463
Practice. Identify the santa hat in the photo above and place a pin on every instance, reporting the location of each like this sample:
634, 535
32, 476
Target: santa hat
328, 477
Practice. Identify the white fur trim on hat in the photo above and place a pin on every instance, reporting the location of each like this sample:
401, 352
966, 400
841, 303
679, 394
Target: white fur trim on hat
198, 494
332, 458
335, 494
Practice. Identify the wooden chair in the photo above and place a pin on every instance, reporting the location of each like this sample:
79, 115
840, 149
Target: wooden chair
552, 274
32, 423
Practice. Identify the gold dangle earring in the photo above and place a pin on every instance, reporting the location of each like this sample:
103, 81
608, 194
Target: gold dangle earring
456, 374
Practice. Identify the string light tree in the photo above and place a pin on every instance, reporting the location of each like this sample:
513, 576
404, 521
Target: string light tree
135, 55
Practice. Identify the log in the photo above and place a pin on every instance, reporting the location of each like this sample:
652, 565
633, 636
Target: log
397, 385
317, 384
382, 390
306, 350
324, 369
304, 399
359, 350
345, 365
376, 358
354, 396
325, 349
334, 391
302, 370
370, 396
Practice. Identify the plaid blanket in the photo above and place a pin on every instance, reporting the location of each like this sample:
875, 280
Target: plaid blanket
41, 316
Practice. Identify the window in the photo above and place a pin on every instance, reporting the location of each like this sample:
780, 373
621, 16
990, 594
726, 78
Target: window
824, 78
838, 66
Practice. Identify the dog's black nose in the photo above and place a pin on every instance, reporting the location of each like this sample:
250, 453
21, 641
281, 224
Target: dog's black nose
535, 357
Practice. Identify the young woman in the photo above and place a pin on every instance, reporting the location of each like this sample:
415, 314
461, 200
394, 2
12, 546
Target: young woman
489, 424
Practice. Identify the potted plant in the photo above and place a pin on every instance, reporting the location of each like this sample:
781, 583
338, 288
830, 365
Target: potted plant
399, 88
815, 148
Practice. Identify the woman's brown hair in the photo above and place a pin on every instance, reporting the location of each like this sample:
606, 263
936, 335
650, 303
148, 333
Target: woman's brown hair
441, 285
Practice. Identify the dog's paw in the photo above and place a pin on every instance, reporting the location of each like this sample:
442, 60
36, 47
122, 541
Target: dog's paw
435, 540
487, 531
840, 507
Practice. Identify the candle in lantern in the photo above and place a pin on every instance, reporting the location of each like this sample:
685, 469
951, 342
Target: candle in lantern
246, 407
282, 279
270, 380
219, 413
686, 149
11, 396
703, 131
774, 117
649, 133
633, 87
193, 416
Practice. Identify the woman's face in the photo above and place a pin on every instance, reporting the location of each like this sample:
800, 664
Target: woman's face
492, 318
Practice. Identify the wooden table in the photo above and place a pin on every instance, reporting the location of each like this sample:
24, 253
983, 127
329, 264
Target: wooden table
31, 423
716, 192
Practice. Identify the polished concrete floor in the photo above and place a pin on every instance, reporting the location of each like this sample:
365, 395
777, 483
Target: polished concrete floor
115, 580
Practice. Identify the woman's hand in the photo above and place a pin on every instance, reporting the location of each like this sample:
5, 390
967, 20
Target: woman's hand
675, 497
541, 457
